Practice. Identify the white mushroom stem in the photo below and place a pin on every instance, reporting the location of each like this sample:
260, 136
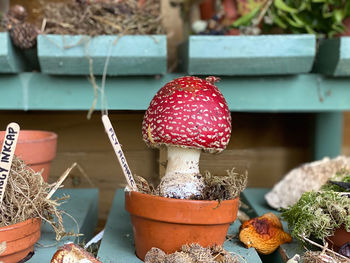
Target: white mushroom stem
182, 161
182, 179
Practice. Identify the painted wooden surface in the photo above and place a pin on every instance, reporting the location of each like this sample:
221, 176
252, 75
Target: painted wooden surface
256, 200
10, 59
82, 206
333, 57
328, 134
117, 244
301, 93
128, 55
249, 55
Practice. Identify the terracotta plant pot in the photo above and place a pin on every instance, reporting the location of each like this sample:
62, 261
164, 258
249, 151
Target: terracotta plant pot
207, 9
20, 239
168, 223
340, 237
36, 148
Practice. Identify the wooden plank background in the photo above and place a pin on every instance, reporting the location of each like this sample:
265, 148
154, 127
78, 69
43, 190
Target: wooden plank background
268, 145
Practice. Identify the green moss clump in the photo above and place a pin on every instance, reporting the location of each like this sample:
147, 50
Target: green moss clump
318, 214
224, 187
341, 176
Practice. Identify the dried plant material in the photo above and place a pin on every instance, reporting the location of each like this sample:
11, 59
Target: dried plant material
99, 18
322, 257
144, 187
217, 187
179, 257
318, 214
310, 176
23, 34
25, 198
224, 187
155, 255
264, 233
193, 253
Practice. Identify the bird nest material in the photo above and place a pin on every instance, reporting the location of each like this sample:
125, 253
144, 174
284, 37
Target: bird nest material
217, 187
224, 187
100, 18
322, 257
192, 254
25, 197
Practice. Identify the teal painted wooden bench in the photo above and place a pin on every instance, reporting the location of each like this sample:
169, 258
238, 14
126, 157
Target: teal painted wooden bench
326, 97
10, 58
248, 55
82, 206
333, 57
117, 243
128, 55
254, 198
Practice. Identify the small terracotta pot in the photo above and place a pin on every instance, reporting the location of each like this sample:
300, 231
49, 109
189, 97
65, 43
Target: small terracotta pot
20, 239
36, 148
340, 237
168, 223
207, 9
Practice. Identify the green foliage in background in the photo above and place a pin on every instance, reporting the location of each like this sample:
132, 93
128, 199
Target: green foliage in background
318, 214
321, 17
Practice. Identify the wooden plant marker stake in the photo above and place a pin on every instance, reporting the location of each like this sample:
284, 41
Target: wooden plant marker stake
6, 155
119, 152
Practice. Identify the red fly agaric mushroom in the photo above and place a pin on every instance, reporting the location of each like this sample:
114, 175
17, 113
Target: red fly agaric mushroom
187, 115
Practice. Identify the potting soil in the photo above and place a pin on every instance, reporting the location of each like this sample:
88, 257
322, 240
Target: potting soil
100, 18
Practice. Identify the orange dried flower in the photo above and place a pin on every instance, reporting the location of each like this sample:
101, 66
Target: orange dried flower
264, 233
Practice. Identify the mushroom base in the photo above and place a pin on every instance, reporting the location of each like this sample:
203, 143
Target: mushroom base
182, 186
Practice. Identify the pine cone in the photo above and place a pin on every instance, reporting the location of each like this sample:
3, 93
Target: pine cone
17, 14
24, 35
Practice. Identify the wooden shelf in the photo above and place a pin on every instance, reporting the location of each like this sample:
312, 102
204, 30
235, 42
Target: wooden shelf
10, 58
249, 55
301, 93
128, 55
333, 57
254, 197
82, 206
117, 244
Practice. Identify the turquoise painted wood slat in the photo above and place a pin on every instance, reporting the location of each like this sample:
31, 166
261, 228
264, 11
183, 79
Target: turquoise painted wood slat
10, 59
82, 206
333, 57
301, 93
256, 200
117, 244
328, 134
128, 55
249, 55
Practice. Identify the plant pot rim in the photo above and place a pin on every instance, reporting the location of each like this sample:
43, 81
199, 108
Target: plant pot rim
339, 238
47, 136
20, 224
175, 200
181, 211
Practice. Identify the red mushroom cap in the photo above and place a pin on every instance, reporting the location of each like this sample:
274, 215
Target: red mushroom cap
188, 112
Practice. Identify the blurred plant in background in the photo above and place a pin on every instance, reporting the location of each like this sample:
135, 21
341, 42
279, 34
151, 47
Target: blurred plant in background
321, 17
252, 17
